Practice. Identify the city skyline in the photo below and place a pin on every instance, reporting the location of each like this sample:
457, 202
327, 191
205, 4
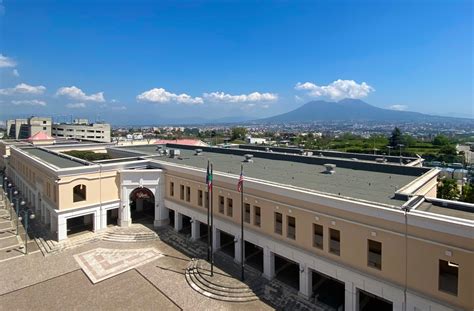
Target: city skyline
247, 61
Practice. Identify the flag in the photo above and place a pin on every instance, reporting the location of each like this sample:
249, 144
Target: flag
241, 180
209, 178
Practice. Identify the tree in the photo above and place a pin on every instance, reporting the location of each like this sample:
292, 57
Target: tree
448, 189
468, 193
396, 137
238, 133
441, 140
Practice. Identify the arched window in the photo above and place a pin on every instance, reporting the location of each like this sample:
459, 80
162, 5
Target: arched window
79, 193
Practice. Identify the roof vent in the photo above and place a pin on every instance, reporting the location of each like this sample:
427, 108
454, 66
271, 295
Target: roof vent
198, 152
174, 153
248, 158
330, 168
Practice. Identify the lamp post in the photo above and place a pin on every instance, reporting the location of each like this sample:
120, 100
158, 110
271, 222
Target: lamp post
401, 146
389, 148
22, 203
26, 214
10, 190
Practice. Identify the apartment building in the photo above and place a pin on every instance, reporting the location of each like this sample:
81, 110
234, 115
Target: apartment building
25, 128
81, 129
347, 232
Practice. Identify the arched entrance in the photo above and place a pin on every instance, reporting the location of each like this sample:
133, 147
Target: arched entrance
142, 205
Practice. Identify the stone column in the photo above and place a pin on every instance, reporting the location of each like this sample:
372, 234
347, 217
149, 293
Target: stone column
124, 210
54, 224
305, 281
195, 229
216, 239
162, 217
237, 249
103, 218
62, 228
350, 301
268, 263
178, 221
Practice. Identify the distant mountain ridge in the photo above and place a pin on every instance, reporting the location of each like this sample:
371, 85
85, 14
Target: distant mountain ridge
351, 110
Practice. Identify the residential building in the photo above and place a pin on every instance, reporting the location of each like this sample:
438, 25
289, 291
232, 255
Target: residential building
81, 129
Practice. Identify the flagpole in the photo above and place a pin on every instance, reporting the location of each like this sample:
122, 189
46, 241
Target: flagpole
208, 227
212, 221
242, 241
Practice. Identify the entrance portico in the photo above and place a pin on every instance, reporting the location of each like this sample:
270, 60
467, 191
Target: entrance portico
142, 190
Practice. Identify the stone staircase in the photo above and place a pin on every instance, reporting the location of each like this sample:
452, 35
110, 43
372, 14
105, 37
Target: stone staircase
182, 242
220, 286
134, 233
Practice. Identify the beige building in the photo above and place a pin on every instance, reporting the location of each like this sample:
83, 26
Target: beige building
25, 128
81, 129
351, 234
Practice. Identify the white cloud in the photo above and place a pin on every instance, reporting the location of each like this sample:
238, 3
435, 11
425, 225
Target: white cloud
221, 97
23, 88
398, 107
336, 90
74, 92
161, 96
15, 73
6, 62
118, 108
29, 102
76, 105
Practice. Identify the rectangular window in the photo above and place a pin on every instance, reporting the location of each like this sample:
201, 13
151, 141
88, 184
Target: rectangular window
172, 189
247, 213
181, 192
318, 236
448, 277
188, 194
207, 199
374, 256
200, 197
291, 227
230, 207
221, 204
334, 241
256, 218
278, 223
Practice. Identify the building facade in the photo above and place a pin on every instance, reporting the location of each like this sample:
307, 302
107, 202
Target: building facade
81, 129
25, 128
366, 230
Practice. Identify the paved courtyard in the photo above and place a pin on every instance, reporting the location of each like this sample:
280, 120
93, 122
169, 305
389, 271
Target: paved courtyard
106, 275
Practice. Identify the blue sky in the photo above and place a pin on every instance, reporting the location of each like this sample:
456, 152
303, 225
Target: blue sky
143, 61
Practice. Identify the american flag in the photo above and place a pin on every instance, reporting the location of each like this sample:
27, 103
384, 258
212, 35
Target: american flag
241, 180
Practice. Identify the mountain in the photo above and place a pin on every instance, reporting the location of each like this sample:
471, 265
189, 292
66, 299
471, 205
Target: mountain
351, 110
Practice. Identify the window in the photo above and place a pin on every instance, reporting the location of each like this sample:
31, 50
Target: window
291, 227
318, 236
221, 204
256, 218
278, 223
200, 197
230, 207
79, 193
44, 128
334, 241
247, 213
181, 192
374, 256
188, 194
44, 122
172, 189
207, 200
448, 277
